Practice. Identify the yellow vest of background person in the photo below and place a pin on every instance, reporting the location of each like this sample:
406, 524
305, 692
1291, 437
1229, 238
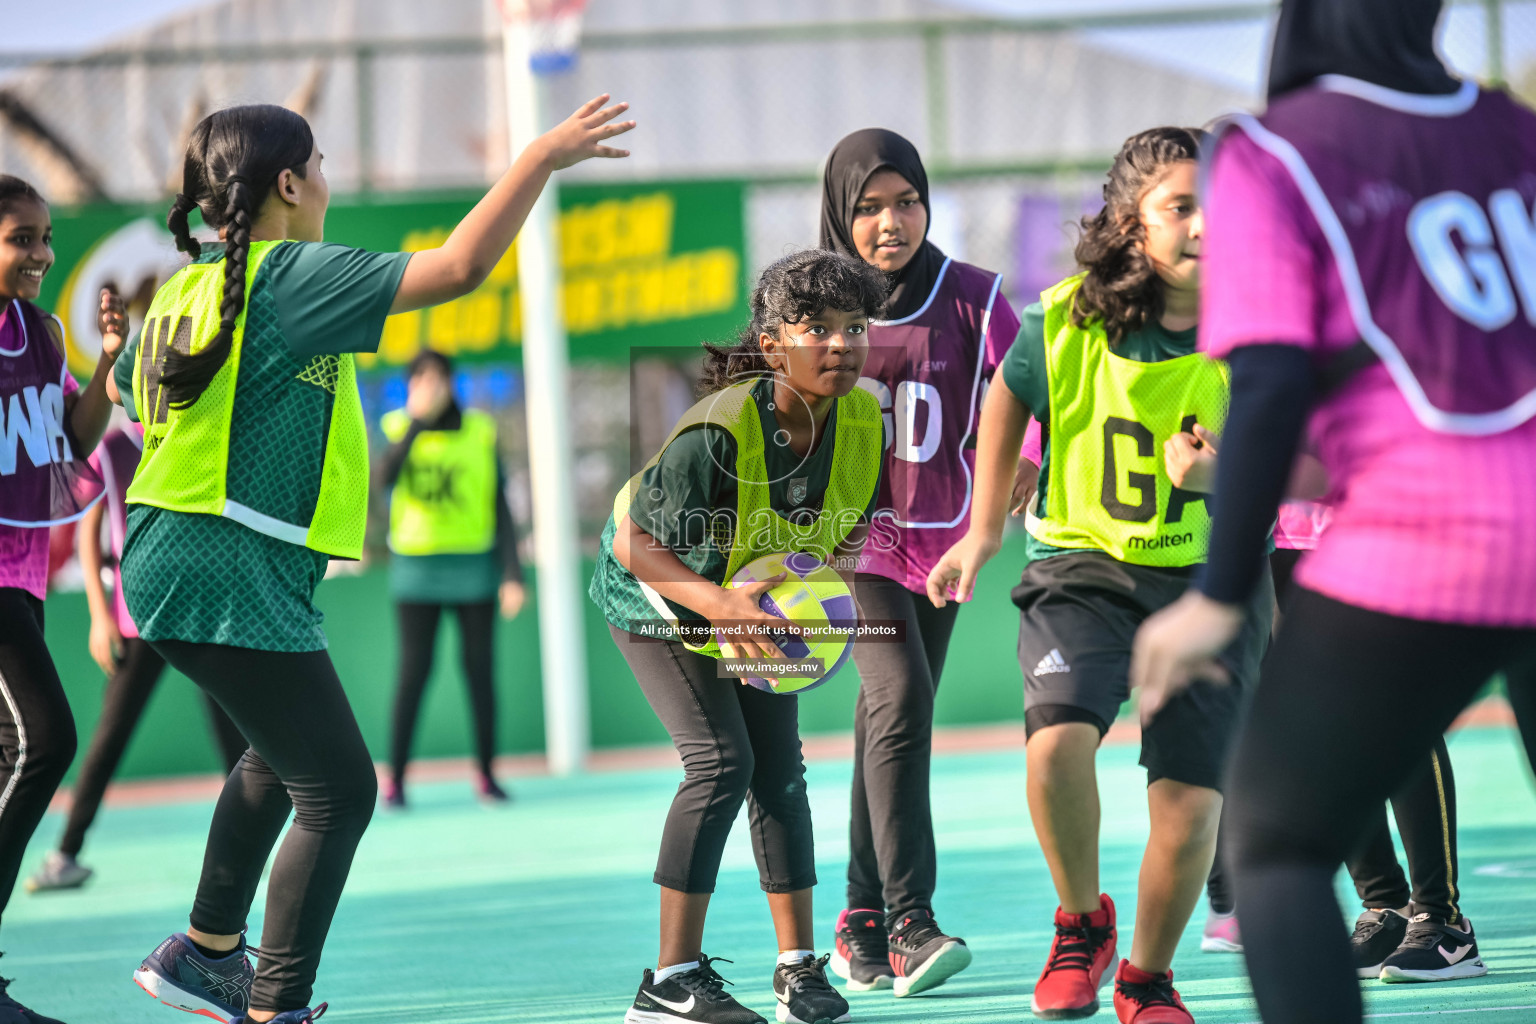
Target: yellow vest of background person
444, 502
858, 441
1107, 487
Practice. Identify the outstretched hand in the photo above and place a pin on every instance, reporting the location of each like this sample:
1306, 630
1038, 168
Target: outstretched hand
1179, 645
581, 136
112, 322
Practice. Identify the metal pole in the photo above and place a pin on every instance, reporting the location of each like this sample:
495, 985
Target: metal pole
938, 100
1495, 32
560, 601
363, 66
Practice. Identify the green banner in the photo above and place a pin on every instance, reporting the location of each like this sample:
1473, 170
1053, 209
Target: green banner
647, 264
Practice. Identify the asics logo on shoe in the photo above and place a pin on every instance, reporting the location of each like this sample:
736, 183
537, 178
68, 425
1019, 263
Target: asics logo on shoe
1051, 663
685, 1006
1456, 955
221, 986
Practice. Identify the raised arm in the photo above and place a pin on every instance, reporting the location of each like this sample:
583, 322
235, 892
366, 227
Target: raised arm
462, 263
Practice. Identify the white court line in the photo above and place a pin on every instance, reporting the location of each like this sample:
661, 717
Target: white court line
1436, 1013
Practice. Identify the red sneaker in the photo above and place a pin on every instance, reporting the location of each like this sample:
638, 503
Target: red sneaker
1080, 958
1142, 998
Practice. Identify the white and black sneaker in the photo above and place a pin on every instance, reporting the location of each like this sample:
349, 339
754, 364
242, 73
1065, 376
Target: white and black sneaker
1434, 951
804, 994
698, 995
1377, 935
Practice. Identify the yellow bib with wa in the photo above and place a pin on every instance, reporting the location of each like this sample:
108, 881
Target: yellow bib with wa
1107, 487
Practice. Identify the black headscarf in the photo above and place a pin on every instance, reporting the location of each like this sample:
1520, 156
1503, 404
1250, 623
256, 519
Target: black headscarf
1386, 42
850, 165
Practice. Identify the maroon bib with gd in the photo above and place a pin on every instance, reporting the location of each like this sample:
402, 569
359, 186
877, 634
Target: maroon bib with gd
1429, 206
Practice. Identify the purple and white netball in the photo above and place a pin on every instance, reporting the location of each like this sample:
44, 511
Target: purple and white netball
813, 596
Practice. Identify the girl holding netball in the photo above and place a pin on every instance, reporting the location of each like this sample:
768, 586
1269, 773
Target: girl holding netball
1106, 360
255, 474
782, 454
944, 329
51, 426
1415, 378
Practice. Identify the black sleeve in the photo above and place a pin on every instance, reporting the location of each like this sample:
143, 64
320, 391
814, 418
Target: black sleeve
1272, 389
394, 455
506, 533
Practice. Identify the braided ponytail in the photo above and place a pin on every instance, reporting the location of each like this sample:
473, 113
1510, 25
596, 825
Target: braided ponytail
234, 157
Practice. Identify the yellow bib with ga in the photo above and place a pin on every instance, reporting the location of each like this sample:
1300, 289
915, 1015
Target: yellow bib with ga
445, 500
858, 442
185, 465
1107, 487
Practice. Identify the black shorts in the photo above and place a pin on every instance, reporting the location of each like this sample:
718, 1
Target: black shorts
1079, 614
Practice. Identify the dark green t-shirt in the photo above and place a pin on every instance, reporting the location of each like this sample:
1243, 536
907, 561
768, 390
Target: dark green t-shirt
1024, 371
206, 579
687, 500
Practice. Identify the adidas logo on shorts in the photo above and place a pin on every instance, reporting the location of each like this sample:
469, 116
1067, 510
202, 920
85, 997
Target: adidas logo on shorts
1052, 662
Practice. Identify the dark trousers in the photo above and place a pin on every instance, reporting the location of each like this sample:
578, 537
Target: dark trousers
892, 865
37, 730
127, 694
306, 756
418, 643
1304, 787
737, 743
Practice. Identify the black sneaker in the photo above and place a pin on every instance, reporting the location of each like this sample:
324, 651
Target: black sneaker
1434, 951
804, 995
12, 1012
922, 956
1377, 935
860, 954
696, 995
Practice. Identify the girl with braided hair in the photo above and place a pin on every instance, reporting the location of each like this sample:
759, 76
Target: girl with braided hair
255, 475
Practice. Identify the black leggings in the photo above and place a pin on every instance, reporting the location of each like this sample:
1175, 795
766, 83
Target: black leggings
891, 860
128, 691
737, 743
308, 756
1304, 786
1425, 809
37, 730
418, 642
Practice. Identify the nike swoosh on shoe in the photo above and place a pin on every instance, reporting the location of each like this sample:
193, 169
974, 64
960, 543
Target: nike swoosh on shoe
1455, 956
685, 1007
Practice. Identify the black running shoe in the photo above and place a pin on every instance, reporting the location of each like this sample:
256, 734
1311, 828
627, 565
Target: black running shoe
922, 956
804, 995
696, 995
1434, 951
1377, 935
860, 953
12, 1012
181, 977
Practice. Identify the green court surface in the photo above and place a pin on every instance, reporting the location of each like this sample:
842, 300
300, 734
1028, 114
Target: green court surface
544, 911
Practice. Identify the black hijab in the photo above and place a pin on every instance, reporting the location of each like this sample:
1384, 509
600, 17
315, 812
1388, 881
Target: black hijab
850, 165
1386, 42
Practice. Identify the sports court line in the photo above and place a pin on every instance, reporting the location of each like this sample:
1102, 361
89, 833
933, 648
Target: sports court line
1435, 1013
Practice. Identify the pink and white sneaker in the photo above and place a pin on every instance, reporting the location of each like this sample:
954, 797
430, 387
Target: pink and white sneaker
1221, 934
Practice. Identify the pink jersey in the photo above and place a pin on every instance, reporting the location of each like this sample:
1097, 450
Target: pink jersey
1426, 525
929, 371
41, 481
117, 459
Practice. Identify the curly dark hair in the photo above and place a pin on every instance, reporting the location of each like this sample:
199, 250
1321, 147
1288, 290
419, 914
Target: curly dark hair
1122, 289
791, 290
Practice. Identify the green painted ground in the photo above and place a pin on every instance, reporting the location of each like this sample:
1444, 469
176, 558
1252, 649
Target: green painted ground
545, 912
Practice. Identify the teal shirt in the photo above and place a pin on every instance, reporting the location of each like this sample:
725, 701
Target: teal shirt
207, 579
687, 501
1024, 372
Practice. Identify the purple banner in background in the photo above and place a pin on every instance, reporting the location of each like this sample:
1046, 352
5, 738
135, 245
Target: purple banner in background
1044, 236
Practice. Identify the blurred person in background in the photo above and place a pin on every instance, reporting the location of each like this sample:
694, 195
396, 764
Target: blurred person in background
132, 667
453, 543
